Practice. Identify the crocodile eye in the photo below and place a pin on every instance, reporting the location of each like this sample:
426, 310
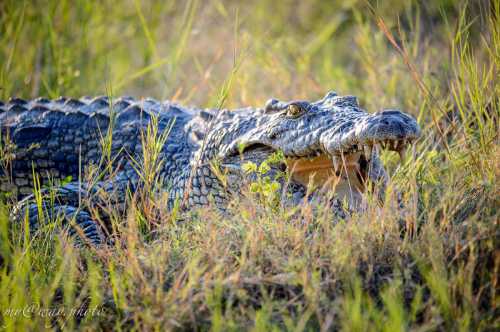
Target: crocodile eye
294, 110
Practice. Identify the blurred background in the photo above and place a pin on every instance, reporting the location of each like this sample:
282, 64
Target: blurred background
192, 50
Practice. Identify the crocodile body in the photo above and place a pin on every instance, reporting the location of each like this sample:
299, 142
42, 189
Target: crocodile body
328, 141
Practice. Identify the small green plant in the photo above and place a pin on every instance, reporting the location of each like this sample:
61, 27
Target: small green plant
266, 185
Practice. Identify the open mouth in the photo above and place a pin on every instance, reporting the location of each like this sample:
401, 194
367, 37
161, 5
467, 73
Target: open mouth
349, 169
345, 172
321, 171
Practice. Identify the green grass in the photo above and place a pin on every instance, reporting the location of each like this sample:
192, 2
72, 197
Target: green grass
263, 269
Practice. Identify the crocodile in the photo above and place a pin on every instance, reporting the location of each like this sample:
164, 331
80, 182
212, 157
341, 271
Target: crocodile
329, 145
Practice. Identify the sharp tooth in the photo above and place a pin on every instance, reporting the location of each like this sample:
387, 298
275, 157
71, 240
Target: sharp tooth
402, 152
368, 151
337, 162
395, 144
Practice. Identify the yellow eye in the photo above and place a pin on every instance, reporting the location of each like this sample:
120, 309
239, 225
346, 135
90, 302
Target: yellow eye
294, 110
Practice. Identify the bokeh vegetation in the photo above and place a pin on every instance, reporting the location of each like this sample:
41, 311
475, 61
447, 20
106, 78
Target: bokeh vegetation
435, 268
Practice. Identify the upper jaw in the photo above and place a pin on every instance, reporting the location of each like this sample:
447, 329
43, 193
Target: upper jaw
389, 129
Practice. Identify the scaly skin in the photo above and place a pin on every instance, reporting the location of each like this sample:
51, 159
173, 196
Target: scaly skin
328, 141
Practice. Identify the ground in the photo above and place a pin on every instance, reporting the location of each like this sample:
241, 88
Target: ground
435, 267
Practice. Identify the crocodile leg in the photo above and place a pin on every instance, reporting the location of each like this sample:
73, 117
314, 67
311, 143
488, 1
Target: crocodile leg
76, 221
68, 203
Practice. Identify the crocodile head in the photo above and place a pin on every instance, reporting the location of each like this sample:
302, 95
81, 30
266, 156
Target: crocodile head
331, 142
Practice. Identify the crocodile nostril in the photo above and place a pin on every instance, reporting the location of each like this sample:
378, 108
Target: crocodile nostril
385, 122
273, 134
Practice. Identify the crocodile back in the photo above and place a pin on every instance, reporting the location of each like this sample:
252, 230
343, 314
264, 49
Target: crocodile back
61, 138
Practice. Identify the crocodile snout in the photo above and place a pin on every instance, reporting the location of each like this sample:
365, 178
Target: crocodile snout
390, 129
388, 125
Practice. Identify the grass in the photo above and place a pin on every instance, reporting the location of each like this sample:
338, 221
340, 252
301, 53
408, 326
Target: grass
263, 268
